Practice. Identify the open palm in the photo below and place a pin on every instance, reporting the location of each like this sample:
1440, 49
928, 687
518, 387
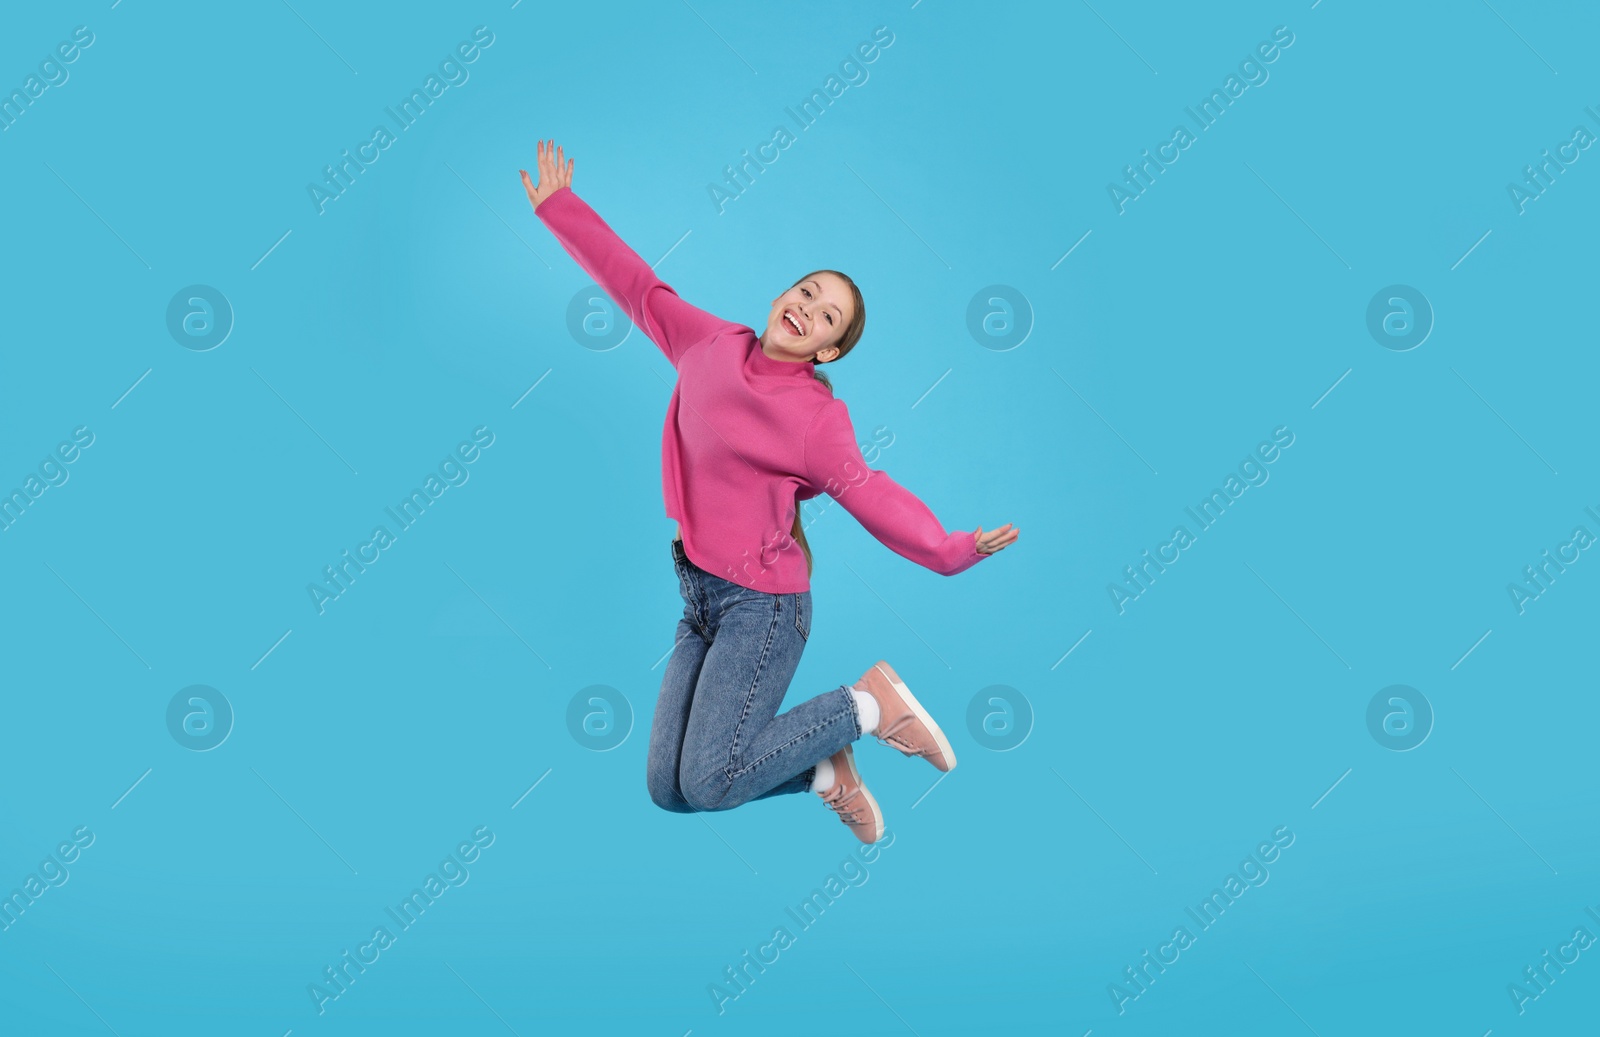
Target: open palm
555, 172
996, 539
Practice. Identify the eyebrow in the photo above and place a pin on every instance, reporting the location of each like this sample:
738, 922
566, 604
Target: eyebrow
819, 292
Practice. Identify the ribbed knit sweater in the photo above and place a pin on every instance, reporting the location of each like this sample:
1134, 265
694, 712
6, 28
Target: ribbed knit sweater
746, 436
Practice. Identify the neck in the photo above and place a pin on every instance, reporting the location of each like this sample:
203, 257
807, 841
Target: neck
771, 355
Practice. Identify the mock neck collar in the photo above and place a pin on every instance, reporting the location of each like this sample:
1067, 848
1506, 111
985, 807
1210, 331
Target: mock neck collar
760, 362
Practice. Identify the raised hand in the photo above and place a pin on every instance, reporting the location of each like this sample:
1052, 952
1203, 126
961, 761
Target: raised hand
996, 539
555, 172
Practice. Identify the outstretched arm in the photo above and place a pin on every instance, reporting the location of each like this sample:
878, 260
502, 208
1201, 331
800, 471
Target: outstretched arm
672, 324
891, 513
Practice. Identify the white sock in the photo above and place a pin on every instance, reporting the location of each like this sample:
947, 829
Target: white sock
824, 779
867, 706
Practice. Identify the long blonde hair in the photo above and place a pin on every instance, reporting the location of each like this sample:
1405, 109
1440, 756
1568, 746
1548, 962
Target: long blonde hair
847, 341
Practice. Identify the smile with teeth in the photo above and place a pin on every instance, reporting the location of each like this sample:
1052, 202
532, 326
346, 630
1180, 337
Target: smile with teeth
790, 318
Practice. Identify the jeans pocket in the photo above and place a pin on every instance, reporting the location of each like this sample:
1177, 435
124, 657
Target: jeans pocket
802, 614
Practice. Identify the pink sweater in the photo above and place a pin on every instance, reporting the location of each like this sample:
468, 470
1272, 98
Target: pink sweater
747, 436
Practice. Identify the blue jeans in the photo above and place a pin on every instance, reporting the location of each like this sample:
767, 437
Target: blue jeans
717, 740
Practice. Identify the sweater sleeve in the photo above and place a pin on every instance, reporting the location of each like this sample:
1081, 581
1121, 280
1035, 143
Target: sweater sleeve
672, 324
833, 464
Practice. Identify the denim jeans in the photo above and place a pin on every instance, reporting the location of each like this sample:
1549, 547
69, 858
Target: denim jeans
717, 740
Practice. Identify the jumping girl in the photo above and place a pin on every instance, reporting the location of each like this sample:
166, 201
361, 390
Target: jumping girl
752, 429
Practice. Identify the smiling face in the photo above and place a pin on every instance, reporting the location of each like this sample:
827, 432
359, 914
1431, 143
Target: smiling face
808, 320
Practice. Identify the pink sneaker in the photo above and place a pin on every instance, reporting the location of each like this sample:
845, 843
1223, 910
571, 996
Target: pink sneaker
903, 723
850, 799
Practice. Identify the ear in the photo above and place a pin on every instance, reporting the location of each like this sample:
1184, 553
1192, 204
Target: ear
824, 355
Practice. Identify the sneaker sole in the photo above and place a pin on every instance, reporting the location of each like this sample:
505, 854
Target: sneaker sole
921, 714
866, 793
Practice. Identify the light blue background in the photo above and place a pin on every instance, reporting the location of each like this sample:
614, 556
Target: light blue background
368, 741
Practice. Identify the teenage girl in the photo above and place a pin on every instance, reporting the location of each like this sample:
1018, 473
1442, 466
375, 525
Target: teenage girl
752, 429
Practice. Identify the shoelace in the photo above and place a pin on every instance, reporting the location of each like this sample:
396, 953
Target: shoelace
898, 744
835, 799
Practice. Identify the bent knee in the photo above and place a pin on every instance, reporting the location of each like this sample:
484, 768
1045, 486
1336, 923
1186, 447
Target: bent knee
704, 796
666, 796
